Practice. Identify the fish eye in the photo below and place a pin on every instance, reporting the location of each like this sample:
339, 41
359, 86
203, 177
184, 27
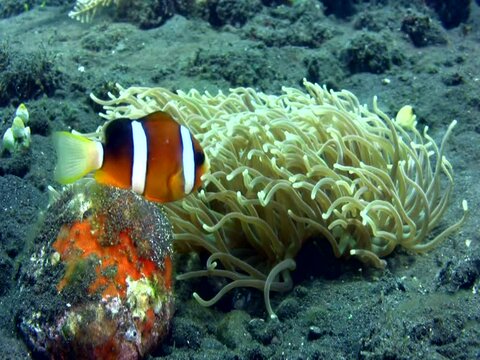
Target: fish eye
199, 158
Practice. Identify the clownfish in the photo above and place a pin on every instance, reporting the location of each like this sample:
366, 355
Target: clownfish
154, 156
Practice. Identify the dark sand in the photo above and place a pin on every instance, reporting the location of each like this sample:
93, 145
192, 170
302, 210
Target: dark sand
420, 307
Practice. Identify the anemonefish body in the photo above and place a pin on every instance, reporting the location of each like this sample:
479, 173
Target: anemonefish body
154, 156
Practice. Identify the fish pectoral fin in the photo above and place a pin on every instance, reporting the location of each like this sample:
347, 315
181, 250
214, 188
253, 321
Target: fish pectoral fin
175, 186
76, 156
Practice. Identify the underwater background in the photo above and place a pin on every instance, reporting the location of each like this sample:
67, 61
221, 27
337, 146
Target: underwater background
425, 53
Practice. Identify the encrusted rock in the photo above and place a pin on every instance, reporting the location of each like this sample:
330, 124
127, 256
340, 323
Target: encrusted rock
98, 284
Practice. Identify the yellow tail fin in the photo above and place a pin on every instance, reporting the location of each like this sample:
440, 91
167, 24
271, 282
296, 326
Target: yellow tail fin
76, 156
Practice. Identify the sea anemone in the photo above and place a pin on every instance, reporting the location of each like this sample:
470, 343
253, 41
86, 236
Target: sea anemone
287, 167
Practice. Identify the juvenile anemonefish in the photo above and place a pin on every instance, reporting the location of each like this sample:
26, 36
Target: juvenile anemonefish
154, 156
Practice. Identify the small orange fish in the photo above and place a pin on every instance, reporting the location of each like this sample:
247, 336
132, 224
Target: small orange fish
154, 156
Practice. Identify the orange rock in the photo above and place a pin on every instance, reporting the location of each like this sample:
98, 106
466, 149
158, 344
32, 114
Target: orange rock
105, 256
81, 241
